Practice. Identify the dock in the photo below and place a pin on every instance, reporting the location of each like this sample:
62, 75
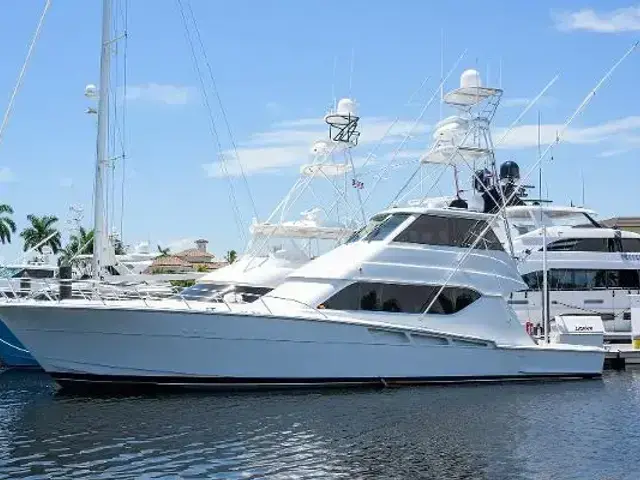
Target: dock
621, 355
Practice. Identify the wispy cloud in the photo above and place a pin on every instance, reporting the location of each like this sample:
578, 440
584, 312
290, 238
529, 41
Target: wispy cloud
524, 101
614, 153
525, 136
288, 144
613, 21
161, 94
178, 245
6, 175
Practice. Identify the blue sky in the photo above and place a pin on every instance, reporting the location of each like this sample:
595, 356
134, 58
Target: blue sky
273, 64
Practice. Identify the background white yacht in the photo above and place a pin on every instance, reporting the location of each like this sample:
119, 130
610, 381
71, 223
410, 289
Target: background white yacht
591, 269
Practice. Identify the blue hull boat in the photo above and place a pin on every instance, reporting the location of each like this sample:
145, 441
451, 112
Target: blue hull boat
12, 352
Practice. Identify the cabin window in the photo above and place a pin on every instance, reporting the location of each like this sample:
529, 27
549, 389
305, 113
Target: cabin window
379, 227
401, 298
584, 245
630, 244
570, 279
450, 231
34, 273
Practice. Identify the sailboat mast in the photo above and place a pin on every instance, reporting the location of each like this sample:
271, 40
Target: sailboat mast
102, 151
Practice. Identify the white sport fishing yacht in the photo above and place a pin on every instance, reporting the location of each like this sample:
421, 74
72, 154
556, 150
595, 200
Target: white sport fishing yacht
416, 296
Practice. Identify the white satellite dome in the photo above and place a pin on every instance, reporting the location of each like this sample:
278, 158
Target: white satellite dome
90, 90
346, 106
451, 128
321, 147
470, 79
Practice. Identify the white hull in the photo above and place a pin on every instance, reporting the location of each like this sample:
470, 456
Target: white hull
143, 345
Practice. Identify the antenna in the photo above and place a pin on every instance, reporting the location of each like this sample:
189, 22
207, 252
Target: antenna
540, 168
333, 83
353, 56
441, 70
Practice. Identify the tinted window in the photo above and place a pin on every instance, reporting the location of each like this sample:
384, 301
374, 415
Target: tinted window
450, 231
569, 279
584, 245
400, 298
630, 244
379, 227
533, 280
34, 273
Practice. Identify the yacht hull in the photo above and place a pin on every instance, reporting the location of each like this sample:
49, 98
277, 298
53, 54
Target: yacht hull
119, 346
12, 353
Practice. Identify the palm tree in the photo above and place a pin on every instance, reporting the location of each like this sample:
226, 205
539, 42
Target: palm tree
41, 229
79, 243
164, 252
7, 225
231, 256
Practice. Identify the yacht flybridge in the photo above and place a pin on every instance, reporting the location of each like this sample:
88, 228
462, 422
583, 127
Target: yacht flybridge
417, 295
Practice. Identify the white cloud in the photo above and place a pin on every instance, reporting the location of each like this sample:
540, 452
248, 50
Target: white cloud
162, 94
288, 144
178, 245
6, 175
613, 153
614, 21
525, 136
524, 101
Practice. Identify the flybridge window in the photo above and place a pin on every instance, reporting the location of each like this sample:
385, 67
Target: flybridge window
400, 298
584, 245
578, 279
379, 227
450, 231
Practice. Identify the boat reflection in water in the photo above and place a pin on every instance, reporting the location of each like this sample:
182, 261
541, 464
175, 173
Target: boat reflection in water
442, 432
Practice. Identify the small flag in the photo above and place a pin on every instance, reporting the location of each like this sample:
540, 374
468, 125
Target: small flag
357, 183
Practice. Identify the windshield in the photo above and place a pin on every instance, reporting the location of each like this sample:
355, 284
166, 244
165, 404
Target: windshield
216, 292
379, 227
528, 220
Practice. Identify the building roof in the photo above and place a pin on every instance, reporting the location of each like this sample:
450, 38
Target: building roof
169, 261
194, 253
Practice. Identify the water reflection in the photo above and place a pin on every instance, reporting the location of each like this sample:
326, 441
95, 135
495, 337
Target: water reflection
457, 432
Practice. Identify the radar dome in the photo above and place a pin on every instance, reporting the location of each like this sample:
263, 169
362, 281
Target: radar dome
321, 147
90, 90
509, 171
470, 79
346, 106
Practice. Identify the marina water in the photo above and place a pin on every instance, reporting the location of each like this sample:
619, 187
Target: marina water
583, 430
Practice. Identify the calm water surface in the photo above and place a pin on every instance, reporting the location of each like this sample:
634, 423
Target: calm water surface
581, 430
